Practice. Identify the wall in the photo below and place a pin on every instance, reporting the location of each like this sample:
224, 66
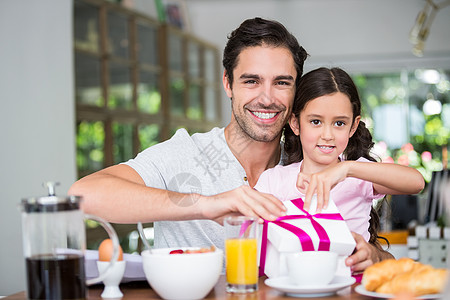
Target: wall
358, 35
36, 116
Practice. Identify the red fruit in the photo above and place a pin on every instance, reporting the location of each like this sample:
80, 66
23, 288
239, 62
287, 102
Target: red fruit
178, 251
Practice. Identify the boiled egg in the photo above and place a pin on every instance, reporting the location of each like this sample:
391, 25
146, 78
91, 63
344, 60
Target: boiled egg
106, 249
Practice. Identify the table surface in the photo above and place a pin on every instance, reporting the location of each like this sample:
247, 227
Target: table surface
141, 290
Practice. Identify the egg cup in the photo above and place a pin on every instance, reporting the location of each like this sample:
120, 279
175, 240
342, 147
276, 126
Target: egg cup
113, 279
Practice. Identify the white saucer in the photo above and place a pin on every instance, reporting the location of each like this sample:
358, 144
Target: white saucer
360, 289
283, 284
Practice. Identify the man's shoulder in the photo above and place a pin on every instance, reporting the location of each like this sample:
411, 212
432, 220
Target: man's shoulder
214, 134
183, 139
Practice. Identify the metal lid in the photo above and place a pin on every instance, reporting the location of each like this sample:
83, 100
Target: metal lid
50, 203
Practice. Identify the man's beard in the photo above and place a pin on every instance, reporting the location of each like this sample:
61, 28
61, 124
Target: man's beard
257, 132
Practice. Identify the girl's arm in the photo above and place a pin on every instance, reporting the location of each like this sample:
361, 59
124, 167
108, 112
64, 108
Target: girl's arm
387, 178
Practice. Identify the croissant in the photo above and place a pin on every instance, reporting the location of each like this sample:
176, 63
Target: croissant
421, 280
381, 272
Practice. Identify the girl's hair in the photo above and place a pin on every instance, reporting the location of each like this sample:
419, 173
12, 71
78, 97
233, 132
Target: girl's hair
321, 82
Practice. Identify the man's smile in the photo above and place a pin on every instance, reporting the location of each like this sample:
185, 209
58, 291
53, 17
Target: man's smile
264, 115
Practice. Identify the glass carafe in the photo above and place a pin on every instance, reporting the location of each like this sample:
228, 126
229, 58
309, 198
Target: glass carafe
54, 241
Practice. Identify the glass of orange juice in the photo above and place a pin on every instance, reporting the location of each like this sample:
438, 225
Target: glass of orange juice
241, 254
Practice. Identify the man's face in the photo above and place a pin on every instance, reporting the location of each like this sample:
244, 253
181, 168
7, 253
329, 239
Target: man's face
262, 91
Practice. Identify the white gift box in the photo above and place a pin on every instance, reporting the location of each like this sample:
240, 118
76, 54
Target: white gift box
281, 241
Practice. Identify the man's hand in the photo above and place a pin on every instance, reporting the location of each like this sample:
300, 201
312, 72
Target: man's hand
365, 254
241, 201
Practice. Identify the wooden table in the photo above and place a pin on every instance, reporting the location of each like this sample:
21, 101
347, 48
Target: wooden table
141, 290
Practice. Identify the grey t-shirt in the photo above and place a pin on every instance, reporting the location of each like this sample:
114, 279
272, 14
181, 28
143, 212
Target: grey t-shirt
202, 163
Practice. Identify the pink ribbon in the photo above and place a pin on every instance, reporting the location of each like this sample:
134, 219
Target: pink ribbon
305, 240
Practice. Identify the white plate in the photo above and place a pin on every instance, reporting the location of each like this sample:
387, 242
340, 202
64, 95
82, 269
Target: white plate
360, 289
284, 285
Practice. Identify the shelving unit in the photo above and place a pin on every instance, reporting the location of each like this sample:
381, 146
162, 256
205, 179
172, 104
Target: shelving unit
137, 81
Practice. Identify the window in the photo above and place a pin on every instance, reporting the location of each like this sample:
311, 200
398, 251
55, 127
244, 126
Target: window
136, 82
409, 113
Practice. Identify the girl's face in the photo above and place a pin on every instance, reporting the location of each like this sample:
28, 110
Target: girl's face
325, 125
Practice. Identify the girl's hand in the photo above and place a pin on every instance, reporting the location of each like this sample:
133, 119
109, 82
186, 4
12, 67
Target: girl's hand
321, 183
364, 255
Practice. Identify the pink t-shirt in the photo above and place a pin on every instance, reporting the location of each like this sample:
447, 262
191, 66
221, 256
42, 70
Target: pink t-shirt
353, 197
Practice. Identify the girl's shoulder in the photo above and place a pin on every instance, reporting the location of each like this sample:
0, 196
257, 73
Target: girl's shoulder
279, 181
283, 169
361, 159
280, 171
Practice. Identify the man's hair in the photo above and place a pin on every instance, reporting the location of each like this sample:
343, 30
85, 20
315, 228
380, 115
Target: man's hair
259, 32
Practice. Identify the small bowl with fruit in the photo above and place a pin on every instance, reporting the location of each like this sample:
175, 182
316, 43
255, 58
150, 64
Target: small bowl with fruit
182, 273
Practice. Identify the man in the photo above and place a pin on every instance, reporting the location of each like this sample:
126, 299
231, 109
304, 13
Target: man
198, 180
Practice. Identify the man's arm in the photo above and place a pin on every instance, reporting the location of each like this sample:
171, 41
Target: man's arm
119, 195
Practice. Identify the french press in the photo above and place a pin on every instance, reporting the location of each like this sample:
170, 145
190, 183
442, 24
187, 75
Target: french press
54, 241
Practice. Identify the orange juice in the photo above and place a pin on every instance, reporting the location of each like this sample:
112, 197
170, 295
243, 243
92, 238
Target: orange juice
241, 261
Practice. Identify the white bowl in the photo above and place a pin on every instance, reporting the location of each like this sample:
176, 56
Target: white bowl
311, 268
182, 276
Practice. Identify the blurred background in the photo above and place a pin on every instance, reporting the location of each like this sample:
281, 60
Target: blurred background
89, 83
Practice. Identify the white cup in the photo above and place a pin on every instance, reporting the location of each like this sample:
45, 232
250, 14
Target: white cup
113, 279
311, 268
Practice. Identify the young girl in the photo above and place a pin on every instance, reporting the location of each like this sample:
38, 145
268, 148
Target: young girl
328, 147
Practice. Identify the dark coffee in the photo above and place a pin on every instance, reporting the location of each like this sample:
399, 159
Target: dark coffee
56, 277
